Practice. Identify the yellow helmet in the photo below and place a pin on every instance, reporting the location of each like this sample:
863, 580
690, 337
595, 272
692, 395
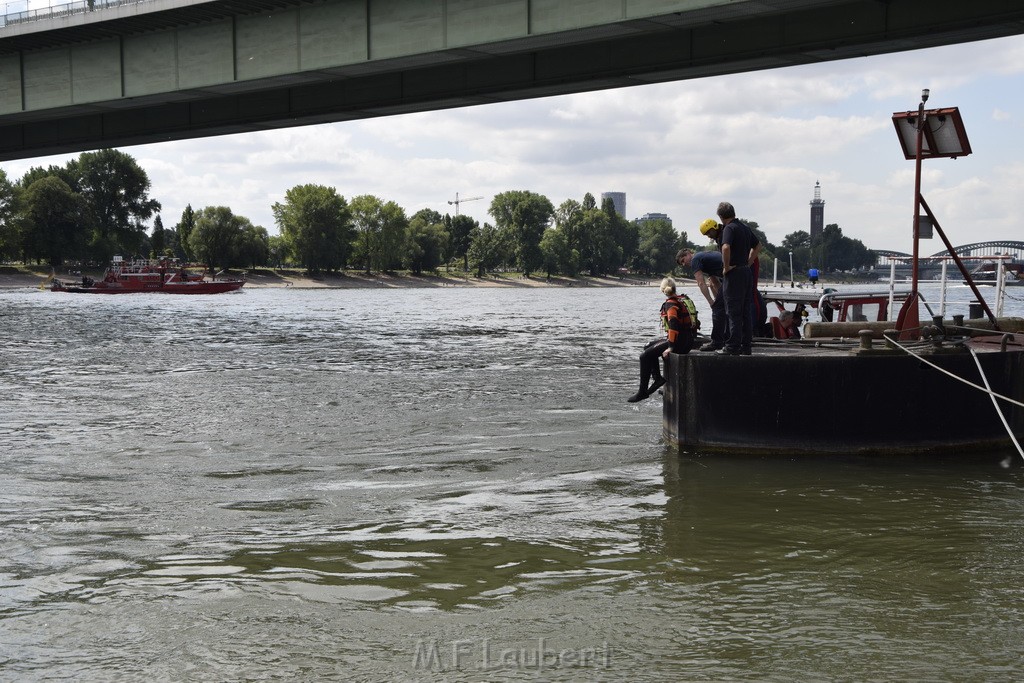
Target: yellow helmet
708, 225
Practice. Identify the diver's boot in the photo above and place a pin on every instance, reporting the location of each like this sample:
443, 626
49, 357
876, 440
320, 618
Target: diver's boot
639, 396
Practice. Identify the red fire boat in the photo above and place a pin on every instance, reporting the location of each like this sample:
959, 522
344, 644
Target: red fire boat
165, 276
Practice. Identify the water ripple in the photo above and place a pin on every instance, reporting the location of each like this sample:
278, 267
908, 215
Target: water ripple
306, 485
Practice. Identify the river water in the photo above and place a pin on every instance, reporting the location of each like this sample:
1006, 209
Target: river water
447, 484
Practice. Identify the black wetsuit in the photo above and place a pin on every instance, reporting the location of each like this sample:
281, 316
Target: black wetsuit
680, 337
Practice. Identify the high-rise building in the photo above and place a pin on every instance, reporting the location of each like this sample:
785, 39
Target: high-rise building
817, 214
618, 199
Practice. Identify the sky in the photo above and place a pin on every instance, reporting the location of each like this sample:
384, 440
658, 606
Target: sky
759, 140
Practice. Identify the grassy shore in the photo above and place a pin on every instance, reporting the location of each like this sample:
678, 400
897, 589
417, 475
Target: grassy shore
32, 276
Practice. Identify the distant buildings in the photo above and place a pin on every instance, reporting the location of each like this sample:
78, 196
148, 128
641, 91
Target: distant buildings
618, 199
619, 202
654, 217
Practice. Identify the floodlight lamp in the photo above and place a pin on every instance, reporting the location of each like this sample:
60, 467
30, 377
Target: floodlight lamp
924, 95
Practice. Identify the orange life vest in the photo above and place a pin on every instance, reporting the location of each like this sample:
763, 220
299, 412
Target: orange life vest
678, 315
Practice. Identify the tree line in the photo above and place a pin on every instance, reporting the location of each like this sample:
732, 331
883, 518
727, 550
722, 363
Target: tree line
98, 205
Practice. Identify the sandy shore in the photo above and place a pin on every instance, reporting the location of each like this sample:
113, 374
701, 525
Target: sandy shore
376, 281
14, 278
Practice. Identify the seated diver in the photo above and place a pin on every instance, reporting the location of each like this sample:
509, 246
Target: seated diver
678, 321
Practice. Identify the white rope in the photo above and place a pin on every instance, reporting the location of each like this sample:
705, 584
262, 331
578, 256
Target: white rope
995, 404
958, 378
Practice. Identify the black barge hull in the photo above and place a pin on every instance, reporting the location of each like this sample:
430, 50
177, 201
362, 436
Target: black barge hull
784, 401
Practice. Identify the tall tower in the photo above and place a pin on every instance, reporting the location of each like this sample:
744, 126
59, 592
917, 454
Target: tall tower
618, 199
817, 214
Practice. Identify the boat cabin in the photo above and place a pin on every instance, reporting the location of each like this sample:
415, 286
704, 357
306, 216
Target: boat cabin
834, 306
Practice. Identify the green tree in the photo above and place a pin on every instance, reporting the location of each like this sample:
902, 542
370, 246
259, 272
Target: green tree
488, 249
10, 234
393, 236
172, 247
798, 244
860, 255
184, 229
429, 216
525, 215
597, 247
317, 223
53, 214
278, 251
380, 232
116, 189
216, 236
569, 219
833, 251
659, 243
422, 251
38, 173
625, 238
158, 240
555, 252
426, 244
460, 231
253, 245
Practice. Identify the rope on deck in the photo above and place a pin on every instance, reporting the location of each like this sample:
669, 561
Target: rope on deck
995, 404
987, 389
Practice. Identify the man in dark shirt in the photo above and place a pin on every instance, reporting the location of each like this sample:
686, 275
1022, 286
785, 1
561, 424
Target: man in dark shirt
707, 271
740, 247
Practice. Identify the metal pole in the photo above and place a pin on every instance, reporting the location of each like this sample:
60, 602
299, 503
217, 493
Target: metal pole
791, 276
959, 263
917, 191
942, 300
775, 275
892, 289
1000, 284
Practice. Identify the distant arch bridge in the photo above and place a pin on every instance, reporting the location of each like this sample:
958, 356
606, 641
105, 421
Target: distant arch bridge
1013, 248
977, 254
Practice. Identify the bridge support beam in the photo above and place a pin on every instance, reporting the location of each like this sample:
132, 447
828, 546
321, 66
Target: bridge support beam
195, 69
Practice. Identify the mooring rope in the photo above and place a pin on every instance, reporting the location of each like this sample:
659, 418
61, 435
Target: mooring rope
995, 404
987, 389
969, 383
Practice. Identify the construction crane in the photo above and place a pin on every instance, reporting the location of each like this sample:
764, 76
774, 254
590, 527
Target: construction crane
458, 201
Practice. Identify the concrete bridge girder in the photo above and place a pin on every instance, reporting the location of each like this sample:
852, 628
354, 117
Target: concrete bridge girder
172, 69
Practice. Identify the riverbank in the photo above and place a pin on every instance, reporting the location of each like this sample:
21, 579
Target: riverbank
360, 280
13, 277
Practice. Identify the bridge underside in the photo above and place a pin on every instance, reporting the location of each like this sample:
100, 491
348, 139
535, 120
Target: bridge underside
718, 38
